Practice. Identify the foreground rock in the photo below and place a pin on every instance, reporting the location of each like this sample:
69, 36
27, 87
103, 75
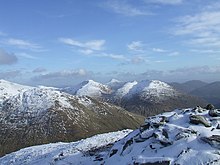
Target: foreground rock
188, 136
165, 139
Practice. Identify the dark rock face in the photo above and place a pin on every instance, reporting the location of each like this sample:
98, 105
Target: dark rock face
197, 119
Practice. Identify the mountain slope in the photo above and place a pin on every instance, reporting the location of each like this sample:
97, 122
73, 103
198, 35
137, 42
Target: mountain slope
210, 92
152, 97
44, 115
8, 89
186, 136
188, 86
88, 88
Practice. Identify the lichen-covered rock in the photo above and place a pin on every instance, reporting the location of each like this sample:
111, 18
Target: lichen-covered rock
197, 119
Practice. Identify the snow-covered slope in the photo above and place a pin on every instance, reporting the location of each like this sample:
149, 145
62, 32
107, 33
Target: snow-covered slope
80, 152
184, 136
188, 136
147, 89
89, 88
42, 115
8, 89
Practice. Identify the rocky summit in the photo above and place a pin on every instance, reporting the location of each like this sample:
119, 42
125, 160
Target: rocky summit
183, 136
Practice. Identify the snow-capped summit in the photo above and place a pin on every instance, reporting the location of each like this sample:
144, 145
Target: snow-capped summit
8, 89
89, 88
145, 88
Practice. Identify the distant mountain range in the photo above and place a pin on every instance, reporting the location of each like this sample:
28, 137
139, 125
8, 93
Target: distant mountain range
147, 97
207, 91
38, 115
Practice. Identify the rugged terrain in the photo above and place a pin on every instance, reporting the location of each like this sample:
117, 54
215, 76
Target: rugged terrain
44, 115
147, 97
183, 136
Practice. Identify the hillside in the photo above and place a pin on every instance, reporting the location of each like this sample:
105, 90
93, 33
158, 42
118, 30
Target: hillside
183, 136
152, 97
188, 86
146, 97
209, 92
44, 115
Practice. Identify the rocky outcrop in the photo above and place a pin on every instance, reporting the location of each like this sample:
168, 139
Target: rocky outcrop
197, 119
213, 140
171, 138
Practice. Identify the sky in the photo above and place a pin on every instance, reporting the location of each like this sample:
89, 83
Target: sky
64, 42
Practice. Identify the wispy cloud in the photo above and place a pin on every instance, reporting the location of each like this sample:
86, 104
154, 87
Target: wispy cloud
87, 47
159, 50
7, 58
165, 2
113, 56
61, 78
123, 7
136, 46
203, 28
25, 55
9, 74
172, 54
22, 44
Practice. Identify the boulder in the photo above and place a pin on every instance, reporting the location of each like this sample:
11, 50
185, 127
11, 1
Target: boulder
198, 119
214, 112
210, 107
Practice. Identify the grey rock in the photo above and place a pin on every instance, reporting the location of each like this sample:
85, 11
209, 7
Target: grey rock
214, 112
213, 140
197, 119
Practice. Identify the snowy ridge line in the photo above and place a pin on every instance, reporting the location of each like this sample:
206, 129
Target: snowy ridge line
63, 153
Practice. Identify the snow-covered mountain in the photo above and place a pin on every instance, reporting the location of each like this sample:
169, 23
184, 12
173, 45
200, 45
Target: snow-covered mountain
40, 115
88, 88
8, 89
150, 97
184, 136
146, 89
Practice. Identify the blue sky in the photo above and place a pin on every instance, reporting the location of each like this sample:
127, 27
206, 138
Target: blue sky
63, 42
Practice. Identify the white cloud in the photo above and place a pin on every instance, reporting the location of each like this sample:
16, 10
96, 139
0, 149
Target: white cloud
7, 58
9, 74
25, 55
136, 46
165, 2
22, 44
61, 78
203, 29
113, 56
174, 54
87, 47
124, 8
159, 50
